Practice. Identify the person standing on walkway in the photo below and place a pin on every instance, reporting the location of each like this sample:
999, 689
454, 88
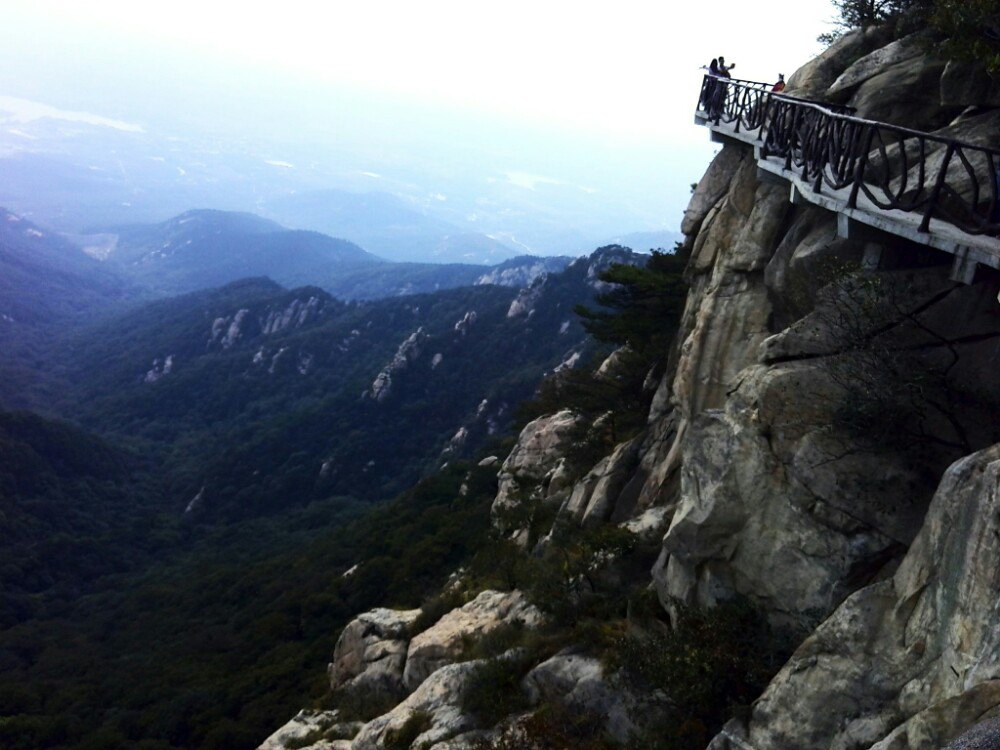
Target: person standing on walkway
780, 85
708, 91
719, 95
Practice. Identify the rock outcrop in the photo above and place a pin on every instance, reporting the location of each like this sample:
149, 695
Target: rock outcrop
581, 683
408, 351
313, 730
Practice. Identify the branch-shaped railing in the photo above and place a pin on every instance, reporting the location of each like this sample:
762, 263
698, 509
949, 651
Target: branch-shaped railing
895, 168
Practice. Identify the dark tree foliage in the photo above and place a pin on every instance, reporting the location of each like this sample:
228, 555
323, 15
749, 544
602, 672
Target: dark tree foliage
643, 307
709, 664
971, 30
216, 648
967, 30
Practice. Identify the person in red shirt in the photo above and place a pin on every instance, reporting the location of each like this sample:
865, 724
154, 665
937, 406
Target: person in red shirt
780, 85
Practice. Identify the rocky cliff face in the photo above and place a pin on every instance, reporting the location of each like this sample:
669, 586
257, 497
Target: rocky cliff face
874, 549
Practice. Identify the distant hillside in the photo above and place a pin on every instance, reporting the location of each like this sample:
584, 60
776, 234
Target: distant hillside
643, 241
266, 397
202, 249
47, 285
387, 226
396, 279
45, 278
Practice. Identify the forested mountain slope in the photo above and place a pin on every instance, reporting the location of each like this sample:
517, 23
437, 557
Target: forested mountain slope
311, 396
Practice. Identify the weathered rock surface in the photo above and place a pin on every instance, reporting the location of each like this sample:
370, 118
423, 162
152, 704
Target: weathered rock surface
730, 310
812, 80
444, 642
875, 62
371, 651
313, 730
984, 736
966, 84
771, 509
912, 661
712, 186
905, 94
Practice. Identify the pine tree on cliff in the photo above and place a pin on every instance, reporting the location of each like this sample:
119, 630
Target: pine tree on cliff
643, 307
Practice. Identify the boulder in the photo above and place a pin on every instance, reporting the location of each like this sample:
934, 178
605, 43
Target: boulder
967, 84
813, 79
595, 497
436, 706
580, 683
905, 94
536, 466
444, 642
872, 64
371, 652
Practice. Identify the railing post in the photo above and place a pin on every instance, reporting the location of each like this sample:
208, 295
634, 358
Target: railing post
821, 143
925, 224
765, 110
790, 140
859, 169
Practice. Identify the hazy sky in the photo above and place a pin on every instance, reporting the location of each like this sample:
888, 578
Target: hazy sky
611, 67
440, 95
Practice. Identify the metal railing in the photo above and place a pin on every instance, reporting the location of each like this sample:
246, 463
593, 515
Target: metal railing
895, 168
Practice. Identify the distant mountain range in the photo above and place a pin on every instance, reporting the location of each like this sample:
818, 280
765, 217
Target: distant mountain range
206, 248
395, 279
201, 249
384, 224
662, 240
47, 286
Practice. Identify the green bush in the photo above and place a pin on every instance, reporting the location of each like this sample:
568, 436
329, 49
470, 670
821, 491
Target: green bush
551, 727
363, 702
711, 664
493, 690
436, 607
567, 579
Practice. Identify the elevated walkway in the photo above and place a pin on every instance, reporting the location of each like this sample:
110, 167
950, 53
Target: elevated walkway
878, 178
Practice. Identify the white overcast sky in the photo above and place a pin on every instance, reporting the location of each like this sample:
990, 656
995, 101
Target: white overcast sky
610, 67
